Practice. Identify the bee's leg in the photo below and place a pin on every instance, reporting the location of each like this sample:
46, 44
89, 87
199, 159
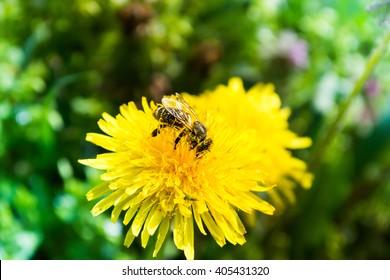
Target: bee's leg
177, 140
193, 144
203, 146
157, 130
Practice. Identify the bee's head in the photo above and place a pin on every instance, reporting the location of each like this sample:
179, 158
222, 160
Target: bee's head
199, 131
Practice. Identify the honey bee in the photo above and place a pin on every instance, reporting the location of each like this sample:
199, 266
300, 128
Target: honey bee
177, 113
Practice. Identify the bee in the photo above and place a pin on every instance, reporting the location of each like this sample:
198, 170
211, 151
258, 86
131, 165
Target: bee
177, 113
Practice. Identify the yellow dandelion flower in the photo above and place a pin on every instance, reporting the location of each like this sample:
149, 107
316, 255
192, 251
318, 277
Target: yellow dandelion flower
258, 113
161, 188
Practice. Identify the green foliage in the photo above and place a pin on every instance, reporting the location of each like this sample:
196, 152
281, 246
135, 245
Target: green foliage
64, 64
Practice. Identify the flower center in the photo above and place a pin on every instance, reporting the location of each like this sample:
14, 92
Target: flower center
177, 169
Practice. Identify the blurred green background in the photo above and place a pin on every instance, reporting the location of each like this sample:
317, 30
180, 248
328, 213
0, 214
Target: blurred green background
63, 63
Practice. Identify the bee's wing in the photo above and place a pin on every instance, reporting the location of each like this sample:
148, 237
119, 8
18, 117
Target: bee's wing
188, 108
179, 110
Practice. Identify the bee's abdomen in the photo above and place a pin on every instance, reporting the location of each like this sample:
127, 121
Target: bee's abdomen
164, 116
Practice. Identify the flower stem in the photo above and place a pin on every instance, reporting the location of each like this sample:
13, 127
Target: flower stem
323, 143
